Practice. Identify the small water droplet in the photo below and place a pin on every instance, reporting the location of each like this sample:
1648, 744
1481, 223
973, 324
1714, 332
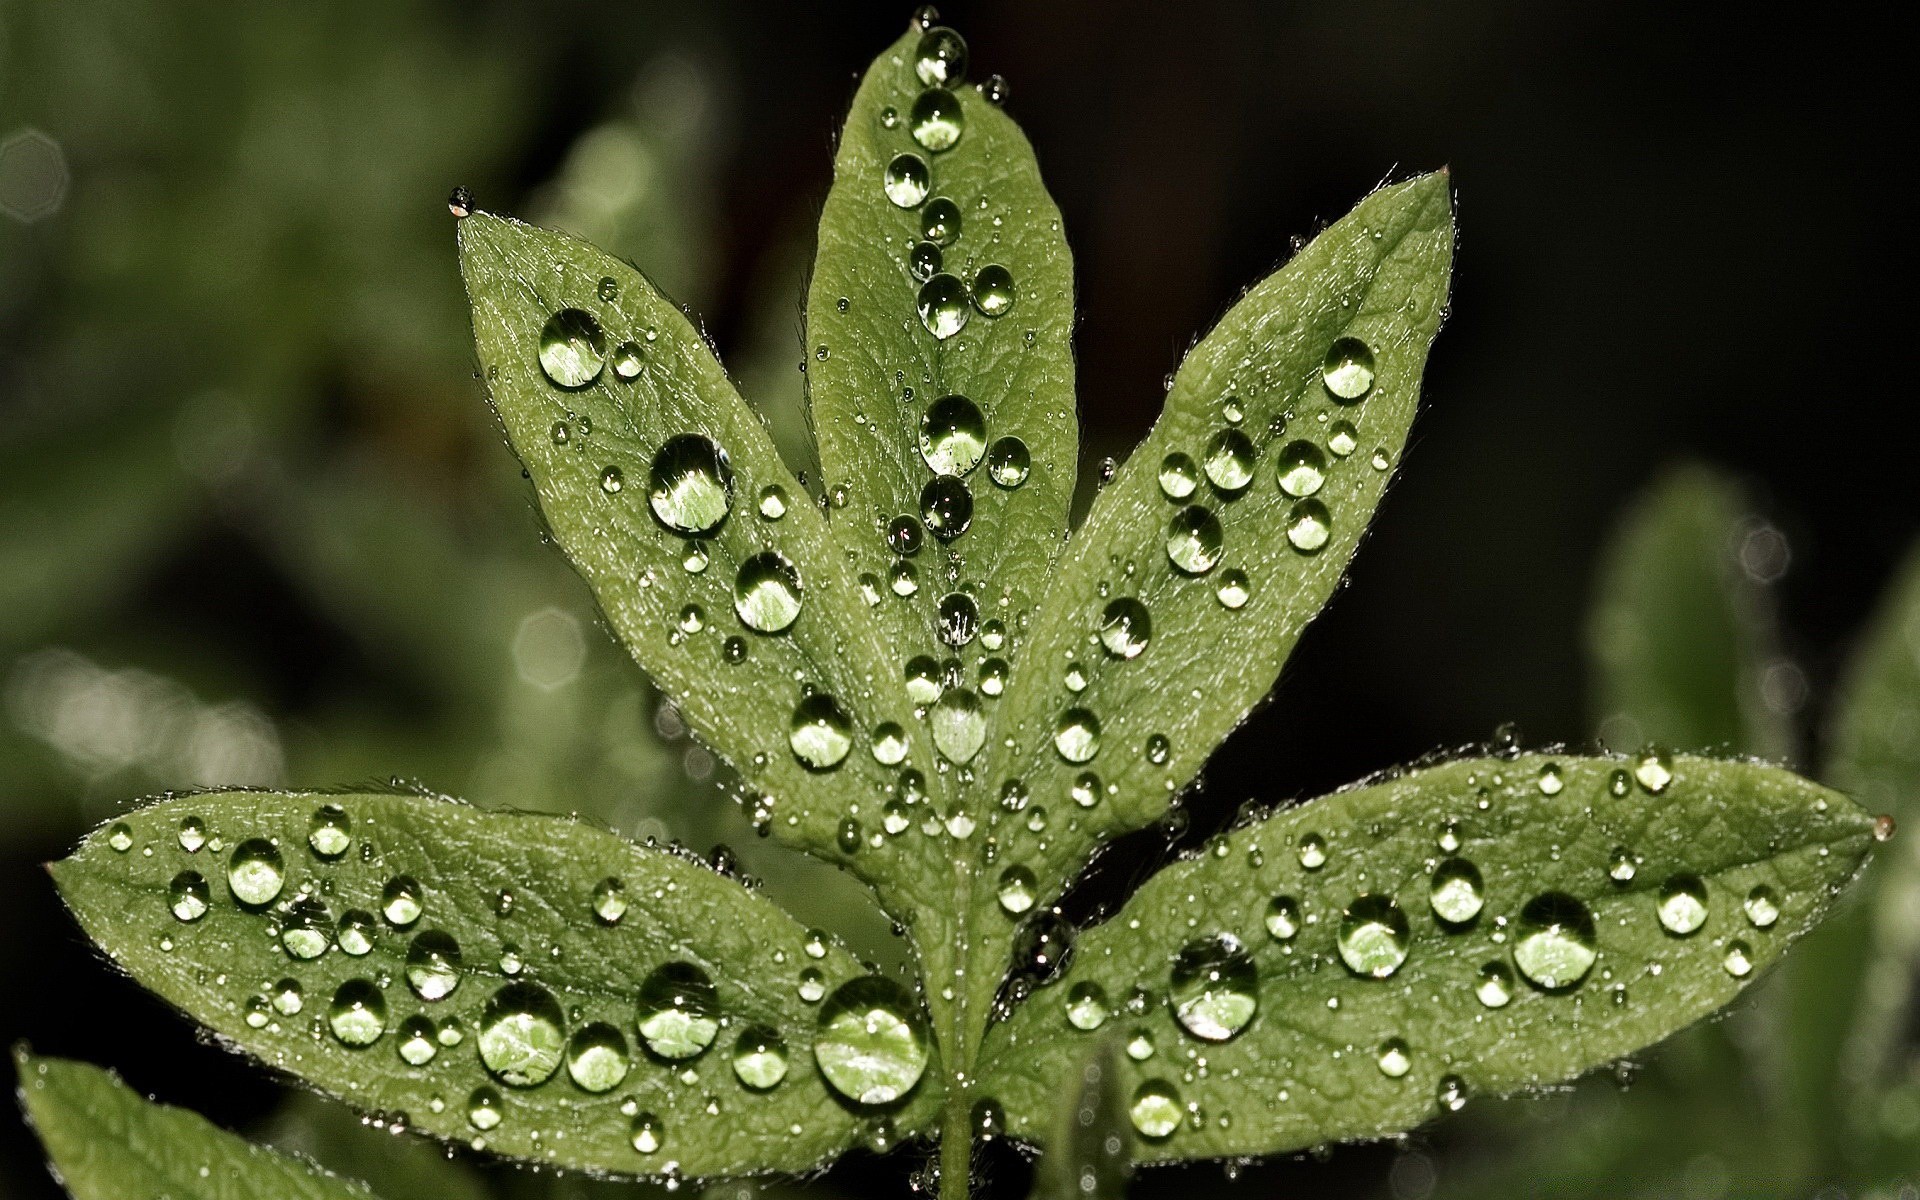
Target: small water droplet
1008, 462
760, 1058
1762, 907
937, 120
522, 1035
942, 305
433, 965
646, 1132
946, 505
120, 837
1456, 892
1283, 918
597, 1058
1395, 1058
1194, 540
401, 900
1178, 476
1493, 987
1654, 771
690, 485
1313, 851
767, 592
612, 480
1234, 590
993, 290
1342, 438
940, 221
188, 896
679, 1015
627, 359
870, 1045
1213, 987
355, 937
1303, 469
256, 872
1451, 1093
1554, 944
773, 502
820, 733
417, 1046
1738, 960
1348, 370
1155, 1109
1125, 627
953, 435
609, 900
358, 1014
1077, 735
1087, 1006
940, 59
1228, 461
1373, 936
1621, 867
906, 181
573, 348
330, 831
1016, 890
1682, 904
193, 834
1309, 527
959, 618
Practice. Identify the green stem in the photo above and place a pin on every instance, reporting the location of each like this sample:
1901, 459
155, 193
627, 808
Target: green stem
956, 1148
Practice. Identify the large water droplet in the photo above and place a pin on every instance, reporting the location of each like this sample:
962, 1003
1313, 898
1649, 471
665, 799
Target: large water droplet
760, 1058
1683, 904
940, 221
1016, 890
188, 895
358, 1014
767, 592
993, 290
330, 831
1283, 918
1178, 476
1493, 987
1395, 1058
953, 435
1373, 936
1155, 1109
1008, 462
942, 305
1456, 891
647, 1132
1654, 771
690, 485
1303, 469
1348, 370
906, 181
522, 1035
1228, 461
940, 59
1194, 540
1762, 907
306, 932
1554, 942
936, 121
679, 1014
1077, 735
959, 725
433, 965
1213, 987
1087, 1006
573, 350
401, 900
256, 872
1125, 627
1309, 527
946, 505
870, 1045
597, 1057
820, 732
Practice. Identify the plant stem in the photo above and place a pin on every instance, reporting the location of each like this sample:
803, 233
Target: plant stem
956, 1149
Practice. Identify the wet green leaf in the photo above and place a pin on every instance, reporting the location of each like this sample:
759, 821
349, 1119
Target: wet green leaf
894, 404
107, 1143
527, 984
1087, 1156
1682, 631
1225, 532
1354, 966
709, 560
398, 1168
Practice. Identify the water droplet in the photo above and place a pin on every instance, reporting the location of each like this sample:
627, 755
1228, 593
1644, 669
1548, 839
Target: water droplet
1309, 527
1619, 783
627, 358
1554, 942
1085, 789
1087, 1006
1016, 890
1739, 959
1395, 1058
953, 435
1313, 851
189, 896
870, 1045
460, 203
767, 592
1452, 1093
679, 1015
1621, 866
256, 873
959, 725
400, 900
1762, 907
1178, 476
572, 348
1228, 461
597, 1058
193, 834
940, 221
1213, 987
120, 837
1456, 891
1155, 1109
942, 305
1194, 540
1125, 627
1283, 918
1883, 827
1342, 438
993, 290
906, 181
946, 506
760, 1058
1158, 749
330, 831
936, 121
923, 262
1494, 985
522, 1035
646, 1133
1348, 370
358, 1014
612, 480
1654, 770
773, 502
1077, 735
940, 60
690, 486
905, 536
1234, 590
889, 744
1683, 904
483, 1109
820, 733
356, 932
923, 681
287, 998
1373, 936
433, 965
1303, 469
417, 1046
609, 900
959, 620
1008, 462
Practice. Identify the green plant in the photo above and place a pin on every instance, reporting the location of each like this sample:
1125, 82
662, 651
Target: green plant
920, 679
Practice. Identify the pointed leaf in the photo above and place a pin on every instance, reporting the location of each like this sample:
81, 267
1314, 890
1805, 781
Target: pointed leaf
894, 403
397, 1168
1682, 632
708, 559
1353, 966
107, 1143
1172, 612
1087, 1154
551, 1044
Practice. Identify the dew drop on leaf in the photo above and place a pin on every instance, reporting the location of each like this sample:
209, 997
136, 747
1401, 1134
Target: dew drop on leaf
1451, 1093
433, 965
1682, 904
1228, 461
1178, 476
1343, 439
1213, 987
1155, 1109
646, 1133
1455, 891
1008, 462
1303, 469
690, 484
1234, 590
597, 1058
330, 831
1373, 936
942, 305
1087, 1006
627, 357
759, 1058
120, 837
1313, 851
193, 834
767, 592
820, 733
306, 931
940, 59
1283, 918
1493, 986
1077, 735
400, 901
946, 505
522, 1035
1085, 789
773, 502
1738, 960
993, 290
679, 1015
1016, 890
1762, 907
1621, 867
936, 121
924, 261
483, 1109
870, 1045
1348, 370
1395, 1058
959, 619
953, 435
1654, 771
959, 725
1194, 540
906, 181
188, 896
889, 744
417, 1046
1125, 627
358, 1013
1309, 527
355, 936
573, 349
1554, 941
940, 221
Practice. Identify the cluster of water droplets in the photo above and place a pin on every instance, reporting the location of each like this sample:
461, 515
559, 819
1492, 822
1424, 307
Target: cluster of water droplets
869, 1039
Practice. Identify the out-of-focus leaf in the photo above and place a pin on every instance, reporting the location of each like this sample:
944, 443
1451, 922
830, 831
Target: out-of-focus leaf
1087, 1156
397, 1167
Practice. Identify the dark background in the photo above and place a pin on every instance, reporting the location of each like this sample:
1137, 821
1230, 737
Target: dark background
1681, 237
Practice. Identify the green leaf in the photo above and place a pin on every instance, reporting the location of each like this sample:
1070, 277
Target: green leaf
398, 1168
1087, 1155
1167, 680
548, 1047
893, 404
1368, 1014
1681, 633
1852, 987
698, 575
107, 1143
